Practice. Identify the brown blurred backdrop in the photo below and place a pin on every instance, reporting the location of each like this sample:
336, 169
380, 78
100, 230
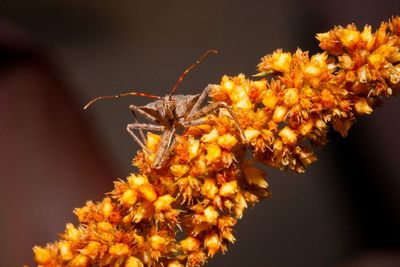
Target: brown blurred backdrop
56, 55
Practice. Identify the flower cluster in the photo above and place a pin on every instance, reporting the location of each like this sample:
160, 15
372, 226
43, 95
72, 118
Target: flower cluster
184, 213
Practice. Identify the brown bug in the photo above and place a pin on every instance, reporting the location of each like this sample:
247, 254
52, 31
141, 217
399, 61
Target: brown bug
169, 113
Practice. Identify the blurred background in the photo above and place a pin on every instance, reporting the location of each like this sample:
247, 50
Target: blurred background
57, 55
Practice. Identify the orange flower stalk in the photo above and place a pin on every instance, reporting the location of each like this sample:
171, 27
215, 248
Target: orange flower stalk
184, 213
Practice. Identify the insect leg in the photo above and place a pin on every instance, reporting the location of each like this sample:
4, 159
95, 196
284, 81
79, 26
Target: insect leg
194, 122
163, 150
147, 126
166, 154
130, 128
143, 113
199, 101
137, 121
211, 107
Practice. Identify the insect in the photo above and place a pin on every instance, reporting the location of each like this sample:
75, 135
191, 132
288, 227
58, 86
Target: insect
169, 113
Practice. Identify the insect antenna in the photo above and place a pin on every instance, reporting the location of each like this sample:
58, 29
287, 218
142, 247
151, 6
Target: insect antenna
120, 95
183, 75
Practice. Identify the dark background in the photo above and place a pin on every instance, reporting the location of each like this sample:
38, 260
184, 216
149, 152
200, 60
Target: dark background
56, 55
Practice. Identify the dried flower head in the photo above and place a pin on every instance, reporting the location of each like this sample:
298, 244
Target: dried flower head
185, 212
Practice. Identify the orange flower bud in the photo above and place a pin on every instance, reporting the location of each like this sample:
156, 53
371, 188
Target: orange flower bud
153, 141
144, 211
254, 176
319, 60
327, 99
133, 262
194, 148
349, 37
306, 127
227, 84
209, 189
190, 244
289, 136
362, 107
42, 255
178, 170
227, 141
251, 134
212, 243
71, 233
212, 136
147, 192
269, 100
107, 207
211, 215
213, 153
137, 180
281, 61
367, 37
79, 261
65, 251
240, 205
104, 226
119, 249
291, 96
129, 197
163, 202
238, 93
311, 71
91, 250
376, 60
279, 113
158, 242
175, 264
228, 189
346, 62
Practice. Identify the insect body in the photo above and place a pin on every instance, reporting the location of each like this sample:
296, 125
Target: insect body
169, 113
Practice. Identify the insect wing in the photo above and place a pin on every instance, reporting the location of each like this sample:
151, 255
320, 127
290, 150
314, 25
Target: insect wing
184, 104
154, 109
